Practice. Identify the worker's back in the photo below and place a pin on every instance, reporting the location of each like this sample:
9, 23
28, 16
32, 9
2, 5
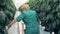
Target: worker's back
30, 18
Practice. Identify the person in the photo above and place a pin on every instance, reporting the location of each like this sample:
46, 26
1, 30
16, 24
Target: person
30, 19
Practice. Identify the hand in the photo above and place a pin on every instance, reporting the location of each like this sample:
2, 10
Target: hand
6, 27
9, 25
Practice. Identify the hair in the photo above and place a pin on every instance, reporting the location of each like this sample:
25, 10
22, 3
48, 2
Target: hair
25, 6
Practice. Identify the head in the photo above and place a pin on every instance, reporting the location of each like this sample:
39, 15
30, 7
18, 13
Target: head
25, 6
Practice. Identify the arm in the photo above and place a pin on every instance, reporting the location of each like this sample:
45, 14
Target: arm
19, 18
39, 22
14, 21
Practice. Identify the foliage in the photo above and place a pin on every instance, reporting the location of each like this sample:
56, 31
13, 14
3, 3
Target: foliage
7, 11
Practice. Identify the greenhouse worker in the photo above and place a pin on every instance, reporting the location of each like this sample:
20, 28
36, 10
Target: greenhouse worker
30, 19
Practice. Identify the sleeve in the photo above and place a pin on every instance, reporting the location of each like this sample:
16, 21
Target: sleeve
20, 17
37, 18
